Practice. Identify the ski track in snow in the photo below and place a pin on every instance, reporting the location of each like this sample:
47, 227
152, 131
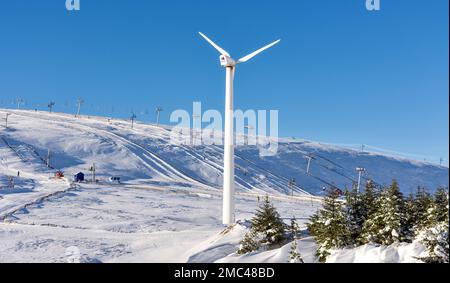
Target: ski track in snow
147, 158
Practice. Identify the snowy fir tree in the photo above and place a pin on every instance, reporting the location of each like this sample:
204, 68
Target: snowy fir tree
436, 240
410, 212
388, 223
371, 204
370, 196
385, 217
268, 223
294, 228
329, 226
416, 207
294, 255
371, 199
356, 213
422, 203
441, 201
267, 229
436, 229
249, 244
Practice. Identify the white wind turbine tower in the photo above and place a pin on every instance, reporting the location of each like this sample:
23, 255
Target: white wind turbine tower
80, 101
158, 111
228, 168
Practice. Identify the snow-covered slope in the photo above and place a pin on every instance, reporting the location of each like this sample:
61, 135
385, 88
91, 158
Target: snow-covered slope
168, 205
145, 153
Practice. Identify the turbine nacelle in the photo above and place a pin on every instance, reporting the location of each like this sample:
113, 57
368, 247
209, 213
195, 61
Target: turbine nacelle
227, 61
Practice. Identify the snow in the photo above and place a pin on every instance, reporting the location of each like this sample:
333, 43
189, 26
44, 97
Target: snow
146, 152
371, 253
306, 248
167, 207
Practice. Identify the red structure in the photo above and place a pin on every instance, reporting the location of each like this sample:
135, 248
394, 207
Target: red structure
59, 174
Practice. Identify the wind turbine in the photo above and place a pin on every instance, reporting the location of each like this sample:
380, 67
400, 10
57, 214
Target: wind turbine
158, 110
80, 101
19, 101
228, 168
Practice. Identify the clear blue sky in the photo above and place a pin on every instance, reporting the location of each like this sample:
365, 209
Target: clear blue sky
341, 74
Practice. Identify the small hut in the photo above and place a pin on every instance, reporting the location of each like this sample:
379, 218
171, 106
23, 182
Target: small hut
79, 177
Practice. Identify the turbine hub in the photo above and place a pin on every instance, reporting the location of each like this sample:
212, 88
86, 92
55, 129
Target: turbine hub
226, 61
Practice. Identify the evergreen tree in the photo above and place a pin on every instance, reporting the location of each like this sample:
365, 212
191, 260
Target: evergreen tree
373, 222
370, 196
250, 243
422, 203
387, 224
329, 226
371, 204
436, 235
294, 255
410, 214
294, 228
441, 201
267, 221
436, 240
315, 225
356, 213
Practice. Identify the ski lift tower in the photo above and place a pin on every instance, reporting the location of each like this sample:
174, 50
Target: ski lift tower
6, 120
50, 106
360, 171
308, 167
246, 136
132, 118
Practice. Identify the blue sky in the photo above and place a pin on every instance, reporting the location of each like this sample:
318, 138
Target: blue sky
341, 74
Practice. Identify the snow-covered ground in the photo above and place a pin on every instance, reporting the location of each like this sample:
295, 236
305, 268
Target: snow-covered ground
146, 152
395, 253
168, 205
128, 224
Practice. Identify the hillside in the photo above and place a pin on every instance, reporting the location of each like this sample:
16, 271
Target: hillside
145, 153
168, 205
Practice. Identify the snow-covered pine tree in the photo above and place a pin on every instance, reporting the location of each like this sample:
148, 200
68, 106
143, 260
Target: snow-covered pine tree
441, 202
267, 221
294, 228
355, 213
370, 196
410, 213
393, 204
388, 224
329, 226
422, 203
315, 225
267, 229
249, 244
294, 255
436, 240
372, 200
435, 236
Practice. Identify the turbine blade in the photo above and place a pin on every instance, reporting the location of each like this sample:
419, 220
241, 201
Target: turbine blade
217, 47
250, 56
